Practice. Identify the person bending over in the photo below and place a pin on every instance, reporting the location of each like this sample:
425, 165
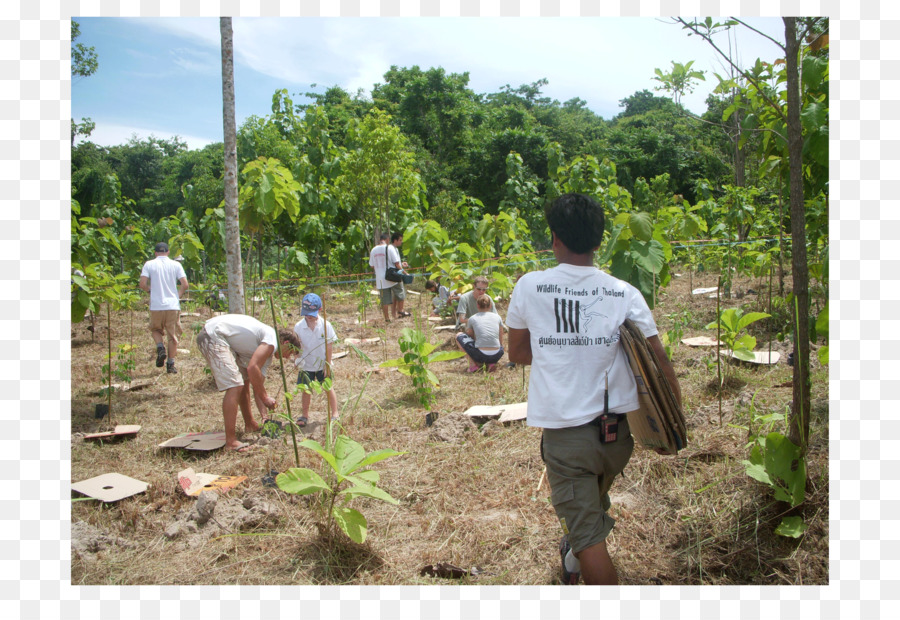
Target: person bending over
238, 349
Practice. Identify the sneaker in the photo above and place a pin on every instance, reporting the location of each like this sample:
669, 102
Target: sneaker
160, 356
170, 368
568, 579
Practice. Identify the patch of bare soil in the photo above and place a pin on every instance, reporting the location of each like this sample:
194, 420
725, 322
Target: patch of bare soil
452, 428
470, 495
88, 541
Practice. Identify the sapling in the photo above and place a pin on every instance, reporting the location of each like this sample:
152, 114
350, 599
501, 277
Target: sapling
287, 400
417, 354
350, 478
778, 463
731, 325
363, 299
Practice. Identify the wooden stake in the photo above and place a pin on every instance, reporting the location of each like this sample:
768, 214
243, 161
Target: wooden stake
541, 481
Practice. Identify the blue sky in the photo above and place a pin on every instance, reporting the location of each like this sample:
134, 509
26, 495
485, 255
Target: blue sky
162, 76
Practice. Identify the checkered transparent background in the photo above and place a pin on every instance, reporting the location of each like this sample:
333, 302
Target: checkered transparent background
35, 353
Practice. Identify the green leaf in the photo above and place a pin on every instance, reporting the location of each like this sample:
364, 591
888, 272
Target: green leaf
392, 363
822, 322
641, 225
729, 111
444, 356
608, 250
813, 116
315, 446
744, 354
301, 481
81, 282
745, 342
351, 522
757, 472
823, 355
84, 299
792, 527
375, 457
814, 69
783, 460
368, 490
347, 453
369, 475
649, 256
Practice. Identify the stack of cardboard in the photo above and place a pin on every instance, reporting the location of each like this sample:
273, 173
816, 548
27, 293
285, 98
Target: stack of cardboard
659, 423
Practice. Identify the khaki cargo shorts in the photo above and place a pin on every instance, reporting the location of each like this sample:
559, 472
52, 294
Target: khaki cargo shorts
166, 322
225, 371
580, 471
392, 294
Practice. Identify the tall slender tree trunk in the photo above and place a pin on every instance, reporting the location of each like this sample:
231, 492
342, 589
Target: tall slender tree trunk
739, 158
800, 415
780, 235
259, 253
232, 227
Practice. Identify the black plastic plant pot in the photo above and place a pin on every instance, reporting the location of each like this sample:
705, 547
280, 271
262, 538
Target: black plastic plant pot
101, 410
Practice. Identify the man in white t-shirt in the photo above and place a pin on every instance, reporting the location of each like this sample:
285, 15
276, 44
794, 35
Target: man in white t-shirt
399, 291
392, 293
238, 349
565, 322
166, 282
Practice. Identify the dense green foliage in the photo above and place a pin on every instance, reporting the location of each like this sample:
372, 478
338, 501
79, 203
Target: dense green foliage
465, 176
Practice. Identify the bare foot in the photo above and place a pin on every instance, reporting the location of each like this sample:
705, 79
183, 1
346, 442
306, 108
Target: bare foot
252, 428
238, 446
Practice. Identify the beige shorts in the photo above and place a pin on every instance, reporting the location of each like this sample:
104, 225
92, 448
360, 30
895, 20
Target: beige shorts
225, 370
580, 471
166, 321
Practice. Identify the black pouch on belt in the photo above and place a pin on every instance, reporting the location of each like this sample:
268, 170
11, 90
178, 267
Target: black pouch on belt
609, 427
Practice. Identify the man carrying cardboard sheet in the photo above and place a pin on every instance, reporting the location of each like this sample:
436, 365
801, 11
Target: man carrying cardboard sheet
565, 322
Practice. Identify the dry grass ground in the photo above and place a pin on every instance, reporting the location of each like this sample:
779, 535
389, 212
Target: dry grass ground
694, 518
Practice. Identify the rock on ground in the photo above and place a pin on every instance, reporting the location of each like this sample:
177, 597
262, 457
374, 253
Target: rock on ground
197, 523
88, 540
491, 428
206, 505
452, 428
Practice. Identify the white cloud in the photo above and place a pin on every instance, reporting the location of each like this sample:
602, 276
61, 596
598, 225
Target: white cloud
599, 60
195, 61
114, 135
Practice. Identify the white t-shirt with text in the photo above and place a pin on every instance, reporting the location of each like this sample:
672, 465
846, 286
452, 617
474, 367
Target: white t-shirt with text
573, 315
